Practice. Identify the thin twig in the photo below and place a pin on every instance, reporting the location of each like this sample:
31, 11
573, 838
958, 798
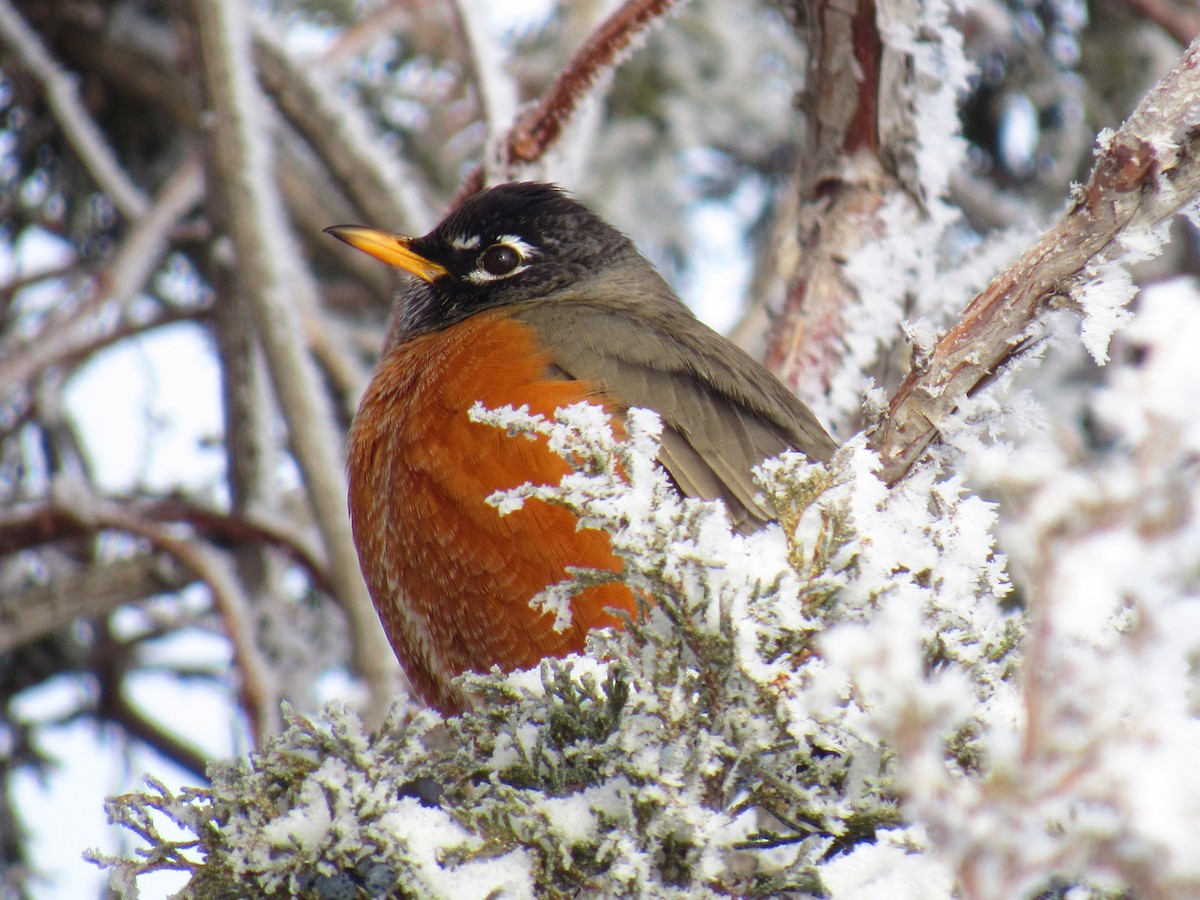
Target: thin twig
117, 709
538, 128
383, 188
83, 133
117, 284
28, 279
603, 50
259, 694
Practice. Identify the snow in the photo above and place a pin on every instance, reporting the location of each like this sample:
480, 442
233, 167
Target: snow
1106, 297
1072, 731
1146, 397
890, 869
428, 832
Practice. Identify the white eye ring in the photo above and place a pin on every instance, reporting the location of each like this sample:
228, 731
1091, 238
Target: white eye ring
493, 262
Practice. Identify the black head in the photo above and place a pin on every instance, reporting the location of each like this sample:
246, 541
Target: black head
511, 244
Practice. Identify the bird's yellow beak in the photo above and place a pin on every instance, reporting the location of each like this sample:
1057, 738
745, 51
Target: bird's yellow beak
393, 249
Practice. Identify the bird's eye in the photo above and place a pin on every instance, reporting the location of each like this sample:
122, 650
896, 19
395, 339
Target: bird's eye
499, 259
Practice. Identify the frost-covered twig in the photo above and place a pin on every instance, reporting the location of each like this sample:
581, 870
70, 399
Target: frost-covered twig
539, 127
607, 46
240, 149
142, 814
1144, 174
63, 98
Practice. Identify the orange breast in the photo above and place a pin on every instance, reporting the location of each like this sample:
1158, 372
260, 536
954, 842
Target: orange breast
450, 577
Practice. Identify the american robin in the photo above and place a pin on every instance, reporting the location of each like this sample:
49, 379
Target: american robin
523, 297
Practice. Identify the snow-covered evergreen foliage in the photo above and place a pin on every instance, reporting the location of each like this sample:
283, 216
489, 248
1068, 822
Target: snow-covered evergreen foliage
757, 724
847, 705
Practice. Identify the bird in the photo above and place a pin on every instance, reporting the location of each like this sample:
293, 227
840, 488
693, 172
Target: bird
521, 296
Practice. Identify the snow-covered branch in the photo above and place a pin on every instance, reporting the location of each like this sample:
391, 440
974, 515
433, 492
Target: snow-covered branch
538, 128
1145, 173
607, 46
710, 749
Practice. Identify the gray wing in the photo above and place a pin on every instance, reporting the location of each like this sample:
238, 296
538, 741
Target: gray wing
722, 412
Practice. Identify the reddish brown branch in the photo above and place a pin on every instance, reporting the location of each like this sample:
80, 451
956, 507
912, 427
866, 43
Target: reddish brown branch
863, 131
844, 177
540, 126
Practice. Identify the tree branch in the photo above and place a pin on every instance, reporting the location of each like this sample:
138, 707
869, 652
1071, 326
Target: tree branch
49, 523
539, 127
1143, 175
854, 163
606, 48
240, 149
34, 613
77, 125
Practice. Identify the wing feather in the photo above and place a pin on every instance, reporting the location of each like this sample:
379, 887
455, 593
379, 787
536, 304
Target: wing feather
722, 412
